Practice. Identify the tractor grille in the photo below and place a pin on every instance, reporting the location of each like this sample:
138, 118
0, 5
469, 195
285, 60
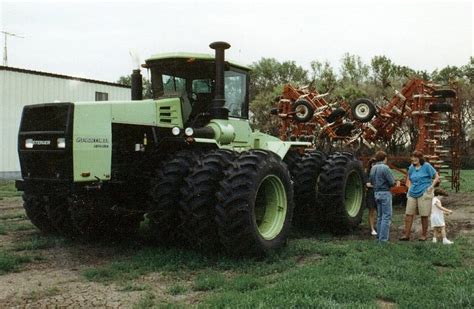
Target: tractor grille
168, 116
41, 127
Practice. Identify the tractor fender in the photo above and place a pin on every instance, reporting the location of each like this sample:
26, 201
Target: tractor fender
281, 148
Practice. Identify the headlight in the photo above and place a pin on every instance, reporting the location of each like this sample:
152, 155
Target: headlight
188, 131
61, 142
175, 131
29, 143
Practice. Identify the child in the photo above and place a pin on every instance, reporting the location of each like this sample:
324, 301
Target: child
437, 217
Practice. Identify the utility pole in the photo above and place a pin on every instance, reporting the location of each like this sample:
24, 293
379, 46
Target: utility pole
5, 55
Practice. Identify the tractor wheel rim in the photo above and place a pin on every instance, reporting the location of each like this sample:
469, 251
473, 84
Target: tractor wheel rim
302, 111
353, 194
270, 207
362, 110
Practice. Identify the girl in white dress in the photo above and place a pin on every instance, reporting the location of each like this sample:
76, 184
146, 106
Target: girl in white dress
437, 217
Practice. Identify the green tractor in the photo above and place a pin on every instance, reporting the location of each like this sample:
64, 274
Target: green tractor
187, 160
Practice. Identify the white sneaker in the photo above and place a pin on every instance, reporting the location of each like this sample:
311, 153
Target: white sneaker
373, 233
447, 242
435, 240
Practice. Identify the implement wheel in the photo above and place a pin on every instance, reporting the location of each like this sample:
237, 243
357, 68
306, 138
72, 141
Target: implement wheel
363, 110
255, 204
341, 188
441, 107
303, 110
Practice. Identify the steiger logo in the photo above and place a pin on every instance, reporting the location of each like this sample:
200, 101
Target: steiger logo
36, 142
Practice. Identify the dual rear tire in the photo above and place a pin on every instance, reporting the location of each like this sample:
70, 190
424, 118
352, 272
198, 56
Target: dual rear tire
242, 203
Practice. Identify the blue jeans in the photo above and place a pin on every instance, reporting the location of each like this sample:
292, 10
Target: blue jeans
383, 199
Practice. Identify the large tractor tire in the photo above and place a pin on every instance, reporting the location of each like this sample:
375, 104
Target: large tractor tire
164, 213
341, 189
36, 211
199, 199
308, 207
255, 204
291, 158
57, 210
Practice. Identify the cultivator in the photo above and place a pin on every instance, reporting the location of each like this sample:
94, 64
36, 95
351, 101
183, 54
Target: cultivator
431, 114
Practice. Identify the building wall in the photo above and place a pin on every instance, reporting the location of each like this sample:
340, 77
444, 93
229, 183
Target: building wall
18, 89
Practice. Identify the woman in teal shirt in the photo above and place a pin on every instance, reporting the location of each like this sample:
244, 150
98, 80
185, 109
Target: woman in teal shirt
423, 177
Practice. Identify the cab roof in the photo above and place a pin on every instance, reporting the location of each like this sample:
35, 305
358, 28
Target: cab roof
190, 57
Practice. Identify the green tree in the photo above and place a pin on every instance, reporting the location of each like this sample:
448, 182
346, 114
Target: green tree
323, 75
260, 108
268, 73
353, 70
383, 70
447, 74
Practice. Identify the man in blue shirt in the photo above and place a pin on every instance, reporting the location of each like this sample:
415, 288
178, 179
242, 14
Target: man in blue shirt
423, 177
382, 180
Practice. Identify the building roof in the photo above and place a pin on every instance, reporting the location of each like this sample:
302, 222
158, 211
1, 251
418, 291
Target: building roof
12, 69
185, 55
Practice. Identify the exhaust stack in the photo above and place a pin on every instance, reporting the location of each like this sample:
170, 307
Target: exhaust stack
218, 111
137, 85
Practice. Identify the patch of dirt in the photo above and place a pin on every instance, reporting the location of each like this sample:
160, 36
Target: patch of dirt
56, 280
385, 304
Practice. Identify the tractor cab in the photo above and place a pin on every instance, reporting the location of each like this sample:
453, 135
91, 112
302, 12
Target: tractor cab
192, 77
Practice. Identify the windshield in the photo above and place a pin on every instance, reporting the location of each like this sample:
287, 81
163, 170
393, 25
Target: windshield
197, 86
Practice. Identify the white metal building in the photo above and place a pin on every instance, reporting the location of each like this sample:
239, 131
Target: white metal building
20, 87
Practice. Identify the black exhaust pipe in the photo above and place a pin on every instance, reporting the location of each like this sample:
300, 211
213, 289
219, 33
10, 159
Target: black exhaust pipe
218, 111
137, 85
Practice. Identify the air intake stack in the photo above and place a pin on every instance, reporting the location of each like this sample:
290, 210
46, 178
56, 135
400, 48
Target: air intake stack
137, 85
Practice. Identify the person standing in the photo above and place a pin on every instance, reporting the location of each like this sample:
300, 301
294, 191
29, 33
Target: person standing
370, 200
382, 180
423, 177
437, 217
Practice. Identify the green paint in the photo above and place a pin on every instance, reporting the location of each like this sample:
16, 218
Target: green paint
354, 194
270, 207
92, 141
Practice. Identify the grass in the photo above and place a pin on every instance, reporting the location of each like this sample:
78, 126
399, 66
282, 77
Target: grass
467, 181
10, 262
147, 301
314, 272
209, 281
177, 289
7, 189
37, 242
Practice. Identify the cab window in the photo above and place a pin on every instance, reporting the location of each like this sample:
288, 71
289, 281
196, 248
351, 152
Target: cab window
235, 93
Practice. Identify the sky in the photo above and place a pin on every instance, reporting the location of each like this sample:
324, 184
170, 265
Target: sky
93, 39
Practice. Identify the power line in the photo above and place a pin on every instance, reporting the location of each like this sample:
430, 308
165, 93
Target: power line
5, 54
